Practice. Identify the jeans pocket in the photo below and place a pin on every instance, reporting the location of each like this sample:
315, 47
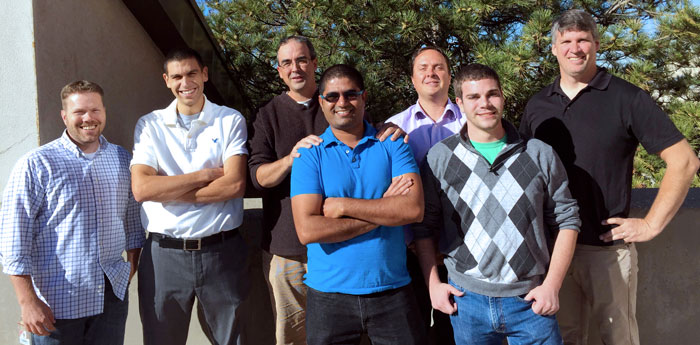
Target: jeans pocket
521, 299
461, 289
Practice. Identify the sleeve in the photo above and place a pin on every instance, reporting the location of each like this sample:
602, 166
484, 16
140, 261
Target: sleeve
402, 161
560, 208
394, 119
524, 129
237, 137
21, 203
144, 147
135, 234
261, 146
650, 124
306, 175
432, 217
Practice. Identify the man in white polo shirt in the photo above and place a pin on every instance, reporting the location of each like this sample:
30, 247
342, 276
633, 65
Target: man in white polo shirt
189, 169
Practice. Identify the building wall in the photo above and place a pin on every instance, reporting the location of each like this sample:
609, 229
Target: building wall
18, 96
100, 41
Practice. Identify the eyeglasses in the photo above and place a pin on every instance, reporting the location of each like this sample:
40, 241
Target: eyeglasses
302, 62
351, 95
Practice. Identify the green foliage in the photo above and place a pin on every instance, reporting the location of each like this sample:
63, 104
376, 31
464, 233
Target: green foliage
653, 44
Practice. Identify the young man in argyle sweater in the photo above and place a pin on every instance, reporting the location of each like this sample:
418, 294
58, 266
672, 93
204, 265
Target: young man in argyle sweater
496, 203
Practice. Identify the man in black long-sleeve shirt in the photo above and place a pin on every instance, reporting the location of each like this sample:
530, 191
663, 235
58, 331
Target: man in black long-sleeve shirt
289, 121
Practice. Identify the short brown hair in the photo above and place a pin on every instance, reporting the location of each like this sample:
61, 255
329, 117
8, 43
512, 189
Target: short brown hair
80, 86
473, 71
422, 49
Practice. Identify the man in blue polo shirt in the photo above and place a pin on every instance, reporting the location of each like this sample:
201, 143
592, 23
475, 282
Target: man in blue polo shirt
350, 196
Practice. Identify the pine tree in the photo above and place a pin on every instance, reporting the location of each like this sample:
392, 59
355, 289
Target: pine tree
513, 37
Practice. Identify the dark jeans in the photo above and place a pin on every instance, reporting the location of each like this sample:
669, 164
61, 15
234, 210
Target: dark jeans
170, 279
441, 332
103, 329
387, 317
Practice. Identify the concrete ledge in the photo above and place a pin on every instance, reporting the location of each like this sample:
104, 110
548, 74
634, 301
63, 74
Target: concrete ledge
669, 284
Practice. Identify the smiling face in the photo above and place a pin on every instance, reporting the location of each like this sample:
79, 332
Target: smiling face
430, 76
482, 103
344, 114
576, 54
296, 68
85, 118
185, 78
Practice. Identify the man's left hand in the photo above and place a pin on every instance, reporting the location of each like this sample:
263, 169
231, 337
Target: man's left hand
546, 300
391, 129
629, 230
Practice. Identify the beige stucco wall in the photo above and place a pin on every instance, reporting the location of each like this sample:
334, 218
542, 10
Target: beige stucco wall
99, 41
18, 97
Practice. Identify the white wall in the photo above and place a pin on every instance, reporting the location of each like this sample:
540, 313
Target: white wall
18, 95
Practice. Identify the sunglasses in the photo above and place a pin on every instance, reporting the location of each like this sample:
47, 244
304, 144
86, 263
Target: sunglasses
351, 95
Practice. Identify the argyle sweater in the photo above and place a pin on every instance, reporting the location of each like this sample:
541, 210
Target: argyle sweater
495, 221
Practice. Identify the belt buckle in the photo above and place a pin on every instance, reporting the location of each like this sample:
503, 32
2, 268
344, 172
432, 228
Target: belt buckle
198, 247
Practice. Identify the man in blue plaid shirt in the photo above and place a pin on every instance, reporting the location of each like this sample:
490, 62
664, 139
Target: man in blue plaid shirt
68, 214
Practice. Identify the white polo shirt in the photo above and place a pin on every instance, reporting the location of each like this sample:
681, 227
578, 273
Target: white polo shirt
162, 143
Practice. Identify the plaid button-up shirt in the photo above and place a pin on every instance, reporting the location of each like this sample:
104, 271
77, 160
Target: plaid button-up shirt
66, 220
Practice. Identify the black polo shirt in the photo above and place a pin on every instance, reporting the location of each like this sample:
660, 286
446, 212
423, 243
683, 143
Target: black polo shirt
596, 135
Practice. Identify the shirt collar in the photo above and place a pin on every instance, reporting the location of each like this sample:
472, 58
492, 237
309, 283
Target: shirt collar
512, 135
329, 138
448, 113
314, 99
205, 117
600, 81
72, 147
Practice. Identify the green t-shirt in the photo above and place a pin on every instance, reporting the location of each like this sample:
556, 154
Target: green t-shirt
490, 150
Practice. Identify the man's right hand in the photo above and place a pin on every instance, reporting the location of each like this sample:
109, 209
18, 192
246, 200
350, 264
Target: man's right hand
440, 296
37, 317
306, 142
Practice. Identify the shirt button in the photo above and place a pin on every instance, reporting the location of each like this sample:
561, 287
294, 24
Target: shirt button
347, 151
353, 160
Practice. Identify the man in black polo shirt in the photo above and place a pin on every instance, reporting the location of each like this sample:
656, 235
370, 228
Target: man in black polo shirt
595, 122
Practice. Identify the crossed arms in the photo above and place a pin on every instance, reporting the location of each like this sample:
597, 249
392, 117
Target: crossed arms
202, 186
339, 219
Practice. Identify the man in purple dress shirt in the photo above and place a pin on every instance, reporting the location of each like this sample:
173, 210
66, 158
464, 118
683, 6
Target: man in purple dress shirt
433, 118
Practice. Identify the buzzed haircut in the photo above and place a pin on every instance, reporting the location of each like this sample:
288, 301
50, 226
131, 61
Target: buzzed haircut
179, 54
576, 20
300, 39
80, 86
341, 71
473, 71
422, 49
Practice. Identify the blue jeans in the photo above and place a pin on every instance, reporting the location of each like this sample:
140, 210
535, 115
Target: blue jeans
106, 328
485, 320
387, 317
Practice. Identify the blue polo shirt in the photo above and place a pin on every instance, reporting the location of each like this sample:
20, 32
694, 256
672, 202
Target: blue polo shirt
376, 260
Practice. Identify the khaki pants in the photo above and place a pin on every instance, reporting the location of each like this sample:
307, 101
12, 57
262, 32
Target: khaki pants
285, 281
600, 287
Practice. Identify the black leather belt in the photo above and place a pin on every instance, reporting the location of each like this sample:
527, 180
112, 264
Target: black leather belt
192, 244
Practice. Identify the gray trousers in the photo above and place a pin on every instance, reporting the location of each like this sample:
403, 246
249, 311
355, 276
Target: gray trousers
170, 279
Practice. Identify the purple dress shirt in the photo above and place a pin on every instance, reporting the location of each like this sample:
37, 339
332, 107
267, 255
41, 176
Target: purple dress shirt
423, 132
